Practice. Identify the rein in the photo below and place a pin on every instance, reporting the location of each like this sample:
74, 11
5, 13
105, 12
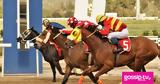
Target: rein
57, 35
35, 37
92, 33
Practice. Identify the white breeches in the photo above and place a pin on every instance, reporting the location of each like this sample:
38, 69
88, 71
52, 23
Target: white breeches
123, 34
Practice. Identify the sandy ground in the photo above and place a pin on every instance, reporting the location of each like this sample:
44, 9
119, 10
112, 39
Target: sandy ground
48, 80
112, 77
34, 80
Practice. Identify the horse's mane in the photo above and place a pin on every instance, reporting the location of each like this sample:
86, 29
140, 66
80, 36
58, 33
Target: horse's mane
92, 29
34, 31
55, 30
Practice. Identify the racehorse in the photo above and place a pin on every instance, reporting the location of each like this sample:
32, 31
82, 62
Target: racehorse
48, 51
142, 52
74, 57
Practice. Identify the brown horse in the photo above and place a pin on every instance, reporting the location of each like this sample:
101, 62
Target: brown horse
74, 57
143, 51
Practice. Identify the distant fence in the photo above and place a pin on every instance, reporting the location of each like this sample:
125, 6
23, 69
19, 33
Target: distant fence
156, 39
125, 18
143, 18
56, 18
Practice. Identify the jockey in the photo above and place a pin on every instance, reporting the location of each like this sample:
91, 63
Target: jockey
75, 34
74, 23
113, 28
48, 38
48, 27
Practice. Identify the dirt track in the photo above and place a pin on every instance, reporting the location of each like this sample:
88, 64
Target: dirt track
113, 76
48, 80
33, 80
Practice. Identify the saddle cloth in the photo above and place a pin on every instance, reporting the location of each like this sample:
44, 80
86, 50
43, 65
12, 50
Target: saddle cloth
125, 44
59, 50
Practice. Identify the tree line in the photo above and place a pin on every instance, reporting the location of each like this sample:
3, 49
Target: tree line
124, 8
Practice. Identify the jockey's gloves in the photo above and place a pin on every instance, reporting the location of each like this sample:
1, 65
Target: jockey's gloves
99, 27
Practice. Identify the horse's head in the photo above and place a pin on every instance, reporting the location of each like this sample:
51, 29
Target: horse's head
37, 44
28, 34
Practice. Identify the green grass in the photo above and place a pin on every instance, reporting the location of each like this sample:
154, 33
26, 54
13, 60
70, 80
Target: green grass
136, 28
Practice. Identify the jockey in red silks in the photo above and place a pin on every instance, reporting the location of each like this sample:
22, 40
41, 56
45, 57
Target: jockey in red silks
74, 23
113, 28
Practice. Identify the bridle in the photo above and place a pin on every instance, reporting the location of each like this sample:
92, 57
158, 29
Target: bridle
25, 34
57, 35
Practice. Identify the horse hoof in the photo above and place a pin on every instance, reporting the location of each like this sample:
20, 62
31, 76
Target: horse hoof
85, 72
80, 81
100, 82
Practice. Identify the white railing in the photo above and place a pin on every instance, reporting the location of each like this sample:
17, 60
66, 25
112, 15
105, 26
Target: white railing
4, 45
145, 18
156, 39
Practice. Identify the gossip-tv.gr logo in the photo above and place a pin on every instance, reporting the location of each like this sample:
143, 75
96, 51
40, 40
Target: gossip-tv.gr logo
137, 78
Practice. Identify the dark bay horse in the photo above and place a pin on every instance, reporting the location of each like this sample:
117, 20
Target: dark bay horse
75, 57
48, 51
142, 52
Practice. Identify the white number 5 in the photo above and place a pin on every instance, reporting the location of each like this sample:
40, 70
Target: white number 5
125, 43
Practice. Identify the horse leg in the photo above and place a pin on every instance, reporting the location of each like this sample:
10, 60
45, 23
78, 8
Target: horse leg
103, 70
90, 69
90, 75
140, 58
55, 59
67, 74
56, 63
143, 69
53, 71
139, 66
131, 65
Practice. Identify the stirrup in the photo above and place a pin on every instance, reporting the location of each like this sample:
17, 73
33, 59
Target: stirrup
118, 50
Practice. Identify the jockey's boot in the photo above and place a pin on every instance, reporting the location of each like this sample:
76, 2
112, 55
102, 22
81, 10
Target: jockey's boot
115, 42
119, 49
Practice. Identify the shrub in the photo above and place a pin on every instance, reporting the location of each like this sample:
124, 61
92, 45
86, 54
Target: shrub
155, 33
145, 33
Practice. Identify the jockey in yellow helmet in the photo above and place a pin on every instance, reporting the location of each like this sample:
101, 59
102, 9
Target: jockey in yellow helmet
113, 28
